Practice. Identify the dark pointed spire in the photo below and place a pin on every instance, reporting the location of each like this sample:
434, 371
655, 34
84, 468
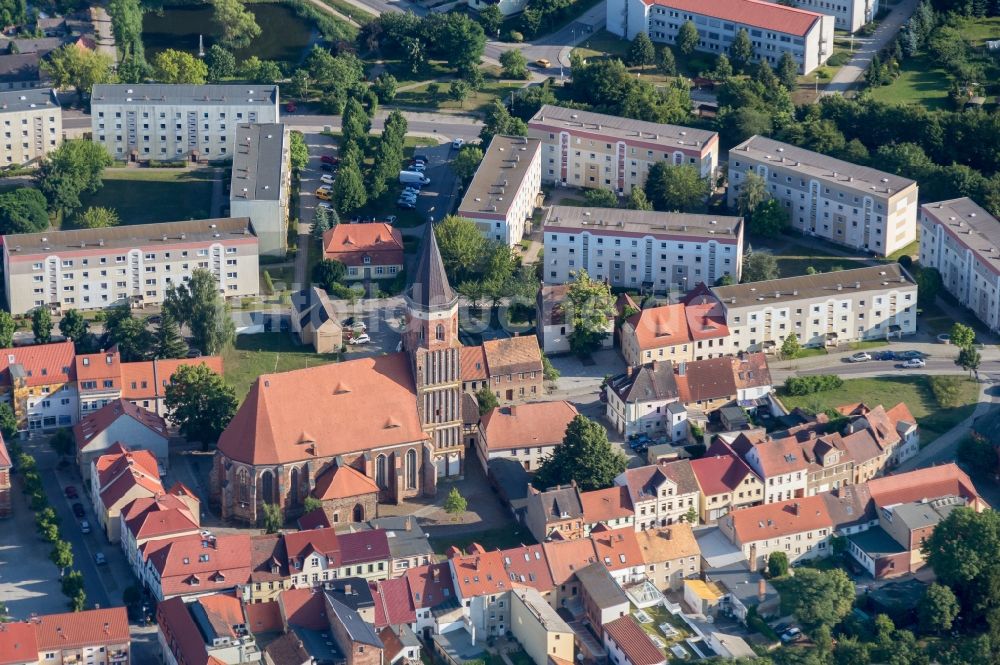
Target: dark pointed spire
430, 288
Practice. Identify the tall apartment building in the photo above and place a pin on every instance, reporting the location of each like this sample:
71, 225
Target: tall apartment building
828, 308
774, 29
962, 241
845, 203
32, 125
584, 149
261, 177
656, 251
849, 15
98, 268
138, 122
502, 195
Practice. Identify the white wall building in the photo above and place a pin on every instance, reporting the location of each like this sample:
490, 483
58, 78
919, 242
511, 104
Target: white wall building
31, 123
641, 249
773, 29
502, 195
139, 122
849, 15
261, 177
962, 241
845, 203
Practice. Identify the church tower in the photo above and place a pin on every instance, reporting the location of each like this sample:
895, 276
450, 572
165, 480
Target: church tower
431, 340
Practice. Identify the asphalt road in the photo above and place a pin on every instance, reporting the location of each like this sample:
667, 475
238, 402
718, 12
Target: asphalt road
446, 126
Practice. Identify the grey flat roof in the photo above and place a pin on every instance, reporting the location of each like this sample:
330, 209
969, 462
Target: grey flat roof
862, 179
743, 583
820, 285
404, 541
162, 93
458, 645
971, 225
601, 586
669, 136
875, 542
920, 514
716, 549
612, 221
257, 162
15, 101
138, 235
500, 174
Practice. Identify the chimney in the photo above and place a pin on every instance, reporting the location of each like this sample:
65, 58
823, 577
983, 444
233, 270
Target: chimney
628, 371
753, 558
347, 589
436, 573
409, 523
761, 589
795, 508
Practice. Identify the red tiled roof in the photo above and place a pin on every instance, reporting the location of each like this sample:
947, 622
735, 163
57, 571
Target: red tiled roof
43, 364
18, 643
780, 456
706, 318
181, 633
162, 515
528, 566
342, 482
394, 603
100, 367
900, 413
929, 483
314, 519
567, 557
267, 554
275, 425
751, 13
119, 459
719, 474
299, 545
775, 520
704, 380
634, 642
224, 612
430, 585
5, 460
363, 546
512, 355
193, 564
660, 326
264, 617
95, 423
116, 491
304, 607
480, 574
618, 548
532, 424
473, 363
78, 629
607, 504
351, 243
149, 379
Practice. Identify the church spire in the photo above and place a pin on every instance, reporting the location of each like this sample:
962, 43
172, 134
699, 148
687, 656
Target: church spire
430, 290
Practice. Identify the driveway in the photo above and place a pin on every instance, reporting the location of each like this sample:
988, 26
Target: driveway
437, 199
309, 182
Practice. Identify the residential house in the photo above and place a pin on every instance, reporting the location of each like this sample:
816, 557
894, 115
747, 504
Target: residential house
619, 551
539, 628
98, 379
779, 463
269, 573
365, 554
706, 385
527, 433
671, 555
726, 483
602, 597
145, 383
117, 479
628, 644
675, 332
661, 494
394, 604
37, 382
120, 421
430, 587
164, 516
554, 514
370, 251
565, 558
197, 565
314, 557
608, 508
554, 320
32, 121
408, 546
801, 528
207, 630
527, 566
513, 368
260, 183
315, 320
98, 636
644, 400
482, 589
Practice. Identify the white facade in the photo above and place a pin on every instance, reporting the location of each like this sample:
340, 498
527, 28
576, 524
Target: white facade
51, 410
31, 122
849, 15
778, 487
960, 239
652, 416
139, 122
773, 29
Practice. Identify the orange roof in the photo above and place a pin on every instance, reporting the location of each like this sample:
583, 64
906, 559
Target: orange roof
18, 643
706, 318
369, 399
42, 364
533, 424
162, 515
181, 633
481, 573
473, 363
637, 646
341, 482
194, 564
513, 355
120, 458
78, 629
149, 379
223, 612
304, 607
567, 557
667, 543
780, 456
928, 483
264, 617
607, 504
528, 566
117, 485
751, 13
618, 548
900, 413
100, 367
660, 326
350, 244
719, 474
430, 585
95, 423
783, 518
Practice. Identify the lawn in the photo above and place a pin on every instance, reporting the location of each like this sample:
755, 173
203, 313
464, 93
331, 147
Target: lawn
492, 539
868, 344
266, 353
145, 196
979, 31
914, 390
795, 258
350, 10
478, 101
920, 81
810, 351
912, 250
603, 44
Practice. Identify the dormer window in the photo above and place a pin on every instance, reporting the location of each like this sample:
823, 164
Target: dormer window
367, 260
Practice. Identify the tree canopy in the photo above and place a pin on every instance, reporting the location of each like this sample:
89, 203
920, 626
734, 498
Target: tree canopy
590, 306
23, 210
821, 597
198, 304
676, 188
200, 403
239, 27
760, 267
173, 66
585, 456
72, 169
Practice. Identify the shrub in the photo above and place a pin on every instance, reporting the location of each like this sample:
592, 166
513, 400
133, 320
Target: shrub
807, 385
947, 390
516, 37
838, 59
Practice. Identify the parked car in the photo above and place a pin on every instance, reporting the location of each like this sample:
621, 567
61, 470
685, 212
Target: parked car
913, 363
324, 193
84, 526
457, 143
907, 355
363, 338
791, 635
78, 510
100, 559
543, 63
329, 159
290, 107
419, 167
409, 196
330, 168
71, 492
860, 357
326, 179
421, 158
354, 324
884, 355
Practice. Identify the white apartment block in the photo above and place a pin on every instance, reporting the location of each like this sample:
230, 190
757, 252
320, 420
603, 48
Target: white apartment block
825, 309
139, 122
773, 28
32, 125
849, 15
99, 268
962, 241
597, 151
261, 177
502, 195
845, 203
656, 251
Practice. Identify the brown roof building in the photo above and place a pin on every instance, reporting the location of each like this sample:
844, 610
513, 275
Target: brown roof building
370, 251
524, 432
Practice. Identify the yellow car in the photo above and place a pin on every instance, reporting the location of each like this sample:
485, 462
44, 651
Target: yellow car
324, 193
543, 63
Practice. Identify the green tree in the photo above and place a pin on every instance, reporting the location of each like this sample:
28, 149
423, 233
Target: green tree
72, 67
73, 326
741, 51
72, 583
129, 333
514, 65
600, 198
455, 503
328, 273
724, 280
385, 85
41, 325
174, 67
462, 246
968, 359
298, 151
549, 372
97, 217
221, 63
759, 267
23, 210
8, 422
723, 68
349, 191
666, 61
323, 220
788, 71
487, 400
821, 597
13, 12
310, 504
962, 336
467, 161
929, 284
777, 564
491, 18
273, 519
763, 74
691, 516
239, 27
637, 199
7, 327
769, 219
62, 442
585, 456
72, 169
499, 121
198, 304
299, 84
591, 307
255, 70
938, 610
641, 52
753, 192
790, 347
458, 91
61, 555
676, 188
267, 283
169, 342
200, 403
687, 38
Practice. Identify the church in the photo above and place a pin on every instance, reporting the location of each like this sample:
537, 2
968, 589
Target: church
361, 432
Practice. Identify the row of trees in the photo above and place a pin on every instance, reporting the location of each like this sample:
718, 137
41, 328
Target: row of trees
452, 37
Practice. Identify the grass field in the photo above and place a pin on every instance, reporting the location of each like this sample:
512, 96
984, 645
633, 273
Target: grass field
981, 30
420, 97
145, 196
920, 82
604, 44
914, 390
266, 353
350, 10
